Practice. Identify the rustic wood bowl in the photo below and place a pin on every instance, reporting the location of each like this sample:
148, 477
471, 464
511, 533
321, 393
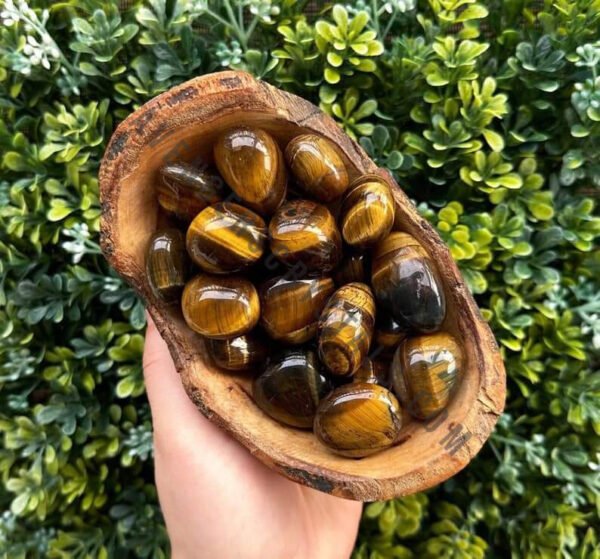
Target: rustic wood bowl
181, 125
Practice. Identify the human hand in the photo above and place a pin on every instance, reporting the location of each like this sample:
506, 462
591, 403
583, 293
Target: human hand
218, 500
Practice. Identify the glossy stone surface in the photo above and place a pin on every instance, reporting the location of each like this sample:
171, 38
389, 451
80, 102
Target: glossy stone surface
354, 267
374, 371
425, 371
367, 213
291, 388
220, 307
226, 238
252, 164
304, 233
185, 190
388, 333
167, 264
246, 352
405, 282
290, 309
317, 166
346, 327
358, 419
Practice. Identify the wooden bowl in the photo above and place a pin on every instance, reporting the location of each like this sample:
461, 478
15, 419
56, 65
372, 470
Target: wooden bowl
181, 125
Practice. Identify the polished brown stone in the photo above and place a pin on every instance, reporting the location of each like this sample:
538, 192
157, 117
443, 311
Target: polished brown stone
290, 309
226, 238
167, 264
346, 328
185, 190
406, 283
291, 388
247, 352
303, 232
425, 372
358, 419
252, 164
367, 213
220, 307
317, 166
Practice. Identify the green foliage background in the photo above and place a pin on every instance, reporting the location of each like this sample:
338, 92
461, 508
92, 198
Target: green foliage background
489, 116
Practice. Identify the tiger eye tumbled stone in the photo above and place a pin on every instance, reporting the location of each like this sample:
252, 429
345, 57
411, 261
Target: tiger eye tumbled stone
405, 282
358, 419
186, 190
388, 333
220, 307
367, 212
425, 370
290, 309
290, 389
373, 371
167, 264
303, 232
252, 164
346, 328
245, 352
317, 166
354, 267
226, 238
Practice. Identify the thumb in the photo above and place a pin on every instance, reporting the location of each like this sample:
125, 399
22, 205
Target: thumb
178, 425
169, 403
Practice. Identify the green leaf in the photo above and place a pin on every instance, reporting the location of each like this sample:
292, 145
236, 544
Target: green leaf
358, 23
366, 65
366, 109
324, 29
474, 11
437, 80
327, 94
365, 129
48, 150
360, 48
579, 131
89, 69
510, 180
494, 140
125, 387
375, 48
82, 26
548, 86
334, 59
331, 76
340, 16
19, 504
58, 213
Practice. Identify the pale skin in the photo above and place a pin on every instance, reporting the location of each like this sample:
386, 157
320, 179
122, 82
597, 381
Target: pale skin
219, 501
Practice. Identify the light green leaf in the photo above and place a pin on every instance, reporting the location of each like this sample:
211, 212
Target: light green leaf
511, 180
360, 48
358, 23
58, 213
494, 140
366, 109
324, 29
334, 59
340, 16
475, 11
331, 76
